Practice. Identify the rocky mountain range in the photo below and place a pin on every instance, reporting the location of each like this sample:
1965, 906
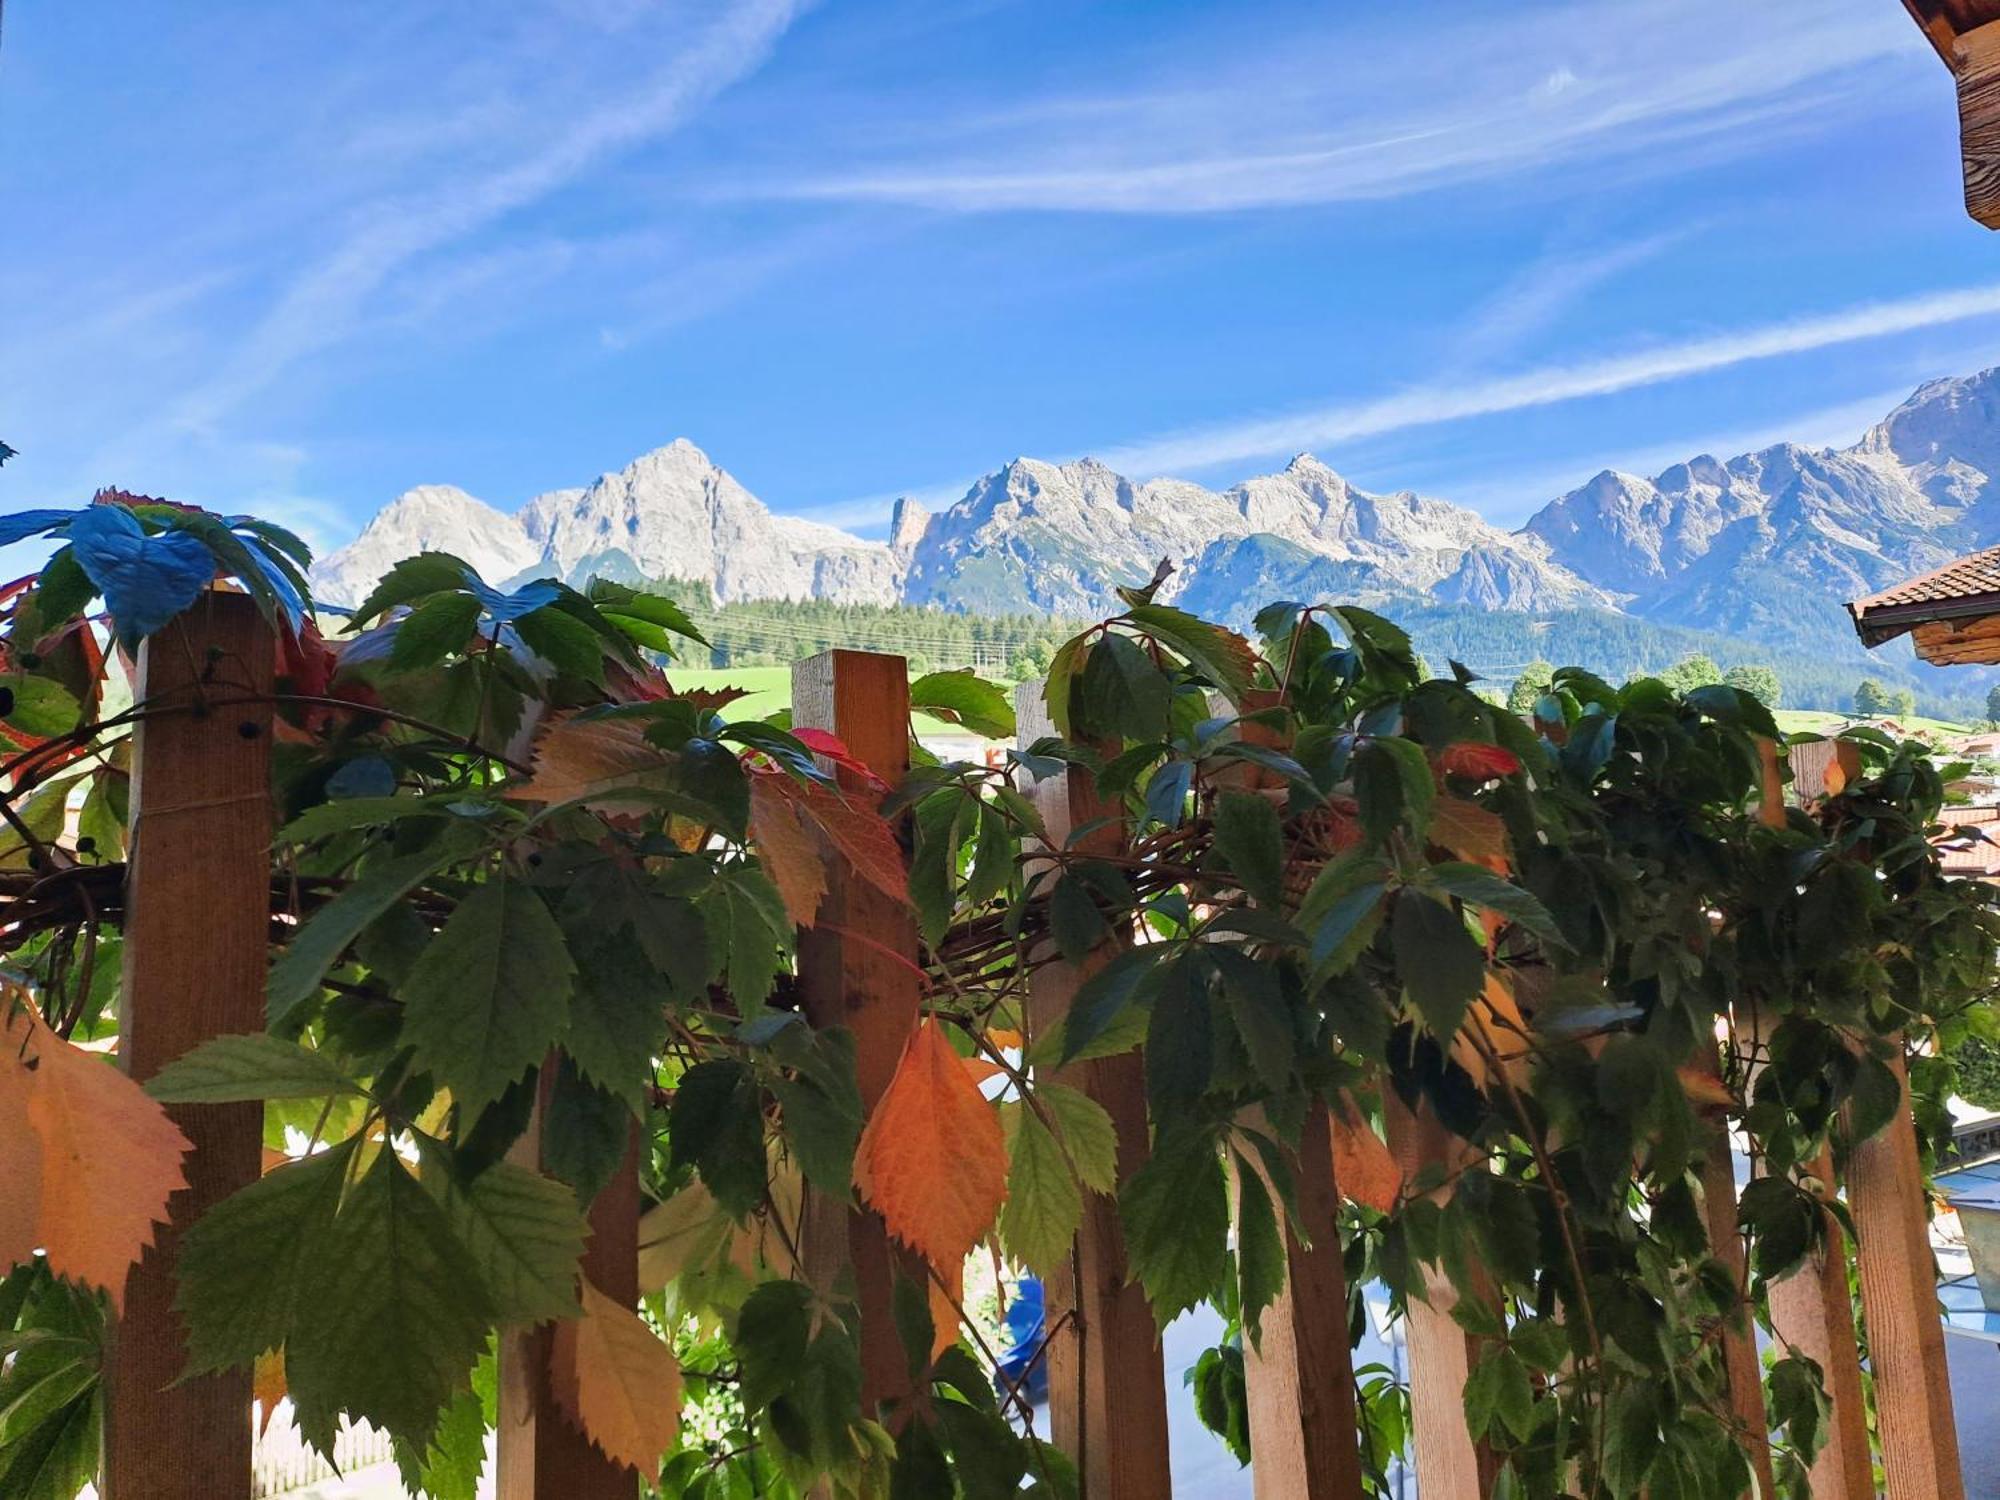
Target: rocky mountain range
1764, 546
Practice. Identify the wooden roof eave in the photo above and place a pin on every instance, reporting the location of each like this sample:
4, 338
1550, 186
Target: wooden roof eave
1966, 34
1884, 622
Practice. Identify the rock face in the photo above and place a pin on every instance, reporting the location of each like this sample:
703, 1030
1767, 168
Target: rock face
429, 518
675, 514
1765, 545
671, 514
1770, 543
1061, 536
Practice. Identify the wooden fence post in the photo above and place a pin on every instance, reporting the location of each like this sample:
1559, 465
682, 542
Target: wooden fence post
1107, 1373
1299, 1374
1450, 1465
858, 969
539, 1452
197, 939
1913, 1410
1304, 1431
1812, 1311
1725, 1242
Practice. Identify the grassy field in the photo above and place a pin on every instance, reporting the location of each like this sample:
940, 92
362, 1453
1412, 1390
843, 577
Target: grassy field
770, 689
1817, 721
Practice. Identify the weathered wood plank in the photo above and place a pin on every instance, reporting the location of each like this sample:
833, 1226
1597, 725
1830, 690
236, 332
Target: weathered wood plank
1913, 1408
540, 1454
1304, 1432
1450, 1465
196, 949
858, 969
1107, 1374
1725, 1243
1299, 1374
1812, 1312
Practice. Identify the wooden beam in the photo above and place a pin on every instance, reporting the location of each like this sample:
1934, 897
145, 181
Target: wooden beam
1725, 1243
539, 1453
1812, 1312
198, 890
1107, 1374
1973, 640
858, 969
1913, 1409
1299, 1373
1450, 1465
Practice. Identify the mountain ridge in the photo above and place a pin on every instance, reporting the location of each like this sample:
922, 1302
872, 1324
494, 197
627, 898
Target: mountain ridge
1765, 545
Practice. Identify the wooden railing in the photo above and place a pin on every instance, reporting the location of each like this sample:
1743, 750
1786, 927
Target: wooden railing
195, 970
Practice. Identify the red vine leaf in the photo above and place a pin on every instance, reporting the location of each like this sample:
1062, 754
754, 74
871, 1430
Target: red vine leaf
1469, 831
1477, 760
853, 828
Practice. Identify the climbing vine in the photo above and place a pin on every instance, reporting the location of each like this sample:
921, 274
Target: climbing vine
528, 898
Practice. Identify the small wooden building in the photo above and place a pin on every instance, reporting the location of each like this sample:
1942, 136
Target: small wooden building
1952, 613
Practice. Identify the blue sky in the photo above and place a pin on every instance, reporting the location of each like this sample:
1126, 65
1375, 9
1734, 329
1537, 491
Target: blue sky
297, 258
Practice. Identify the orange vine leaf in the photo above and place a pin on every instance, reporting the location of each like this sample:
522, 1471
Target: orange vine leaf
616, 1381
110, 1157
933, 1160
1363, 1168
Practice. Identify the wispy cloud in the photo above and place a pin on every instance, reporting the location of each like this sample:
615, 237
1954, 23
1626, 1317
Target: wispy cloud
1406, 109
1194, 450
1533, 297
1425, 405
319, 306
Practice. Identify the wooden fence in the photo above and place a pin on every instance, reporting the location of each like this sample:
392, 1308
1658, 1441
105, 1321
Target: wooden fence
195, 969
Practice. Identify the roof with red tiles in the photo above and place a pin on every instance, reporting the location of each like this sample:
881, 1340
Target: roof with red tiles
1964, 587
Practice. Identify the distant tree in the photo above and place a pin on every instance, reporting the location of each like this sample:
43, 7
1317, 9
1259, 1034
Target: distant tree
1993, 704
1528, 688
1691, 672
1871, 699
1903, 703
1760, 683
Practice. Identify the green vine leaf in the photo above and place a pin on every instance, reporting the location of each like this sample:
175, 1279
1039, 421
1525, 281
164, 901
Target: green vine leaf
487, 999
253, 1065
389, 1264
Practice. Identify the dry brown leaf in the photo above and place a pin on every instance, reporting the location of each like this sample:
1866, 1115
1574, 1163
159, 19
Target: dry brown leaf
588, 758
933, 1159
790, 854
616, 1381
853, 826
1363, 1168
110, 1159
